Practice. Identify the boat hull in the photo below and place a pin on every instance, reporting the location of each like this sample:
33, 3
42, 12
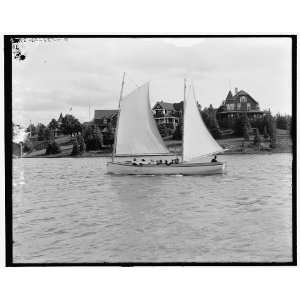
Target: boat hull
119, 168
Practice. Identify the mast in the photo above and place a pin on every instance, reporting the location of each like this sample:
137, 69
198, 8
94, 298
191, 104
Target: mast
184, 99
117, 125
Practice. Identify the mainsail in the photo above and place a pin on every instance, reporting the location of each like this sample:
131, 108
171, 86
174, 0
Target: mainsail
137, 133
197, 140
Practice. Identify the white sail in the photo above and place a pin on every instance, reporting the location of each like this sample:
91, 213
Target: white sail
197, 140
137, 131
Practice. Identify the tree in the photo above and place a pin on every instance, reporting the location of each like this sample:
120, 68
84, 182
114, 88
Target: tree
209, 118
28, 146
273, 135
53, 125
177, 135
246, 126
283, 122
242, 126
257, 139
81, 143
31, 129
52, 148
75, 149
47, 134
70, 125
40, 128
164, 130
78, 145
245, 132
266, 135
92, 137
271, 126
108, 136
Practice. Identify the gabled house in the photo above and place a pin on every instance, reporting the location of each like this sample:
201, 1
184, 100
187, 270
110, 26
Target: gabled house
106, 118
58, 130
167, 113
239, 103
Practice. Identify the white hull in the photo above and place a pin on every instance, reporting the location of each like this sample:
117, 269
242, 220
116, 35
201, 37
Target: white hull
119, 168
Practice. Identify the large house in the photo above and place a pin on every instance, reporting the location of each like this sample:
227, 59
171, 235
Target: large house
239, 103
105, 118
167, 113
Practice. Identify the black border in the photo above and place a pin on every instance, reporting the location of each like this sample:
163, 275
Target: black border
8, 154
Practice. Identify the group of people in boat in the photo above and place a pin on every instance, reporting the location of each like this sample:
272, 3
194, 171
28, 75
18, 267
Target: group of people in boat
154, 162
160, 162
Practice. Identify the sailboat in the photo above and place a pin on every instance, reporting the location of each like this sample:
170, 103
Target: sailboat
137, 135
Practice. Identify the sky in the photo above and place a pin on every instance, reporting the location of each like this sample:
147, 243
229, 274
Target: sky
78, 76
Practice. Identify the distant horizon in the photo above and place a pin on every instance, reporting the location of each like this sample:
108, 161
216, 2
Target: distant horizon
79, 73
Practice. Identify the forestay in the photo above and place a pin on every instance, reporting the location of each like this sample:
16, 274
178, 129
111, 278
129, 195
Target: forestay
197, 139
137, 131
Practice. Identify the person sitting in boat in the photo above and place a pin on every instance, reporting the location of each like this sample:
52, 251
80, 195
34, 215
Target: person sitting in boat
214, 159
176, 160
167, 163
134, 162
142, 162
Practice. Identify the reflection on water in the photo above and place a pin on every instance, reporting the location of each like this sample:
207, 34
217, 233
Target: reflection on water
69, 210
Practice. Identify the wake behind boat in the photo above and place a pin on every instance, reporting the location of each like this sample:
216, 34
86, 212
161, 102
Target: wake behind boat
137, 136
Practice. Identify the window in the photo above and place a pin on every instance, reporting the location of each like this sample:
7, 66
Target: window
230, 106
243, 99
238, 106
248, 106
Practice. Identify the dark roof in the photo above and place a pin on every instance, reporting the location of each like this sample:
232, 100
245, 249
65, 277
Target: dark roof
232, 99
60, 118
243, 93
105, 113
88, 123
165, 105
229, 96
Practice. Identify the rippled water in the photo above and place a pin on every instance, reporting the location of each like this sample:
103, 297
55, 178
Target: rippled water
69, 210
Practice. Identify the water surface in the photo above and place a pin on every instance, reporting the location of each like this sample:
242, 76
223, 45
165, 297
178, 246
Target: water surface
69, 210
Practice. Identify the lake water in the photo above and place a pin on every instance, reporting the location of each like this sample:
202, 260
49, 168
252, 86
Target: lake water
69, 210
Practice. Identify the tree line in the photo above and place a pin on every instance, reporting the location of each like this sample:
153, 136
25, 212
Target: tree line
85, 137
241, 126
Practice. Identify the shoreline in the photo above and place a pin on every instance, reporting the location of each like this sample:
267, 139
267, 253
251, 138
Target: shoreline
235, 146
91, 155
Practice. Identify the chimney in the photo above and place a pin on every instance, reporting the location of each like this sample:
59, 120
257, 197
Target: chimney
236, 90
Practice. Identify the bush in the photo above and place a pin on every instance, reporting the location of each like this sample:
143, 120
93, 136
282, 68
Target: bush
75, 149
283, 122
177, 135
81, 143
28, 146
215, 132
246, 132
164, 130
266, 135
78, 145
53, 148
257, 138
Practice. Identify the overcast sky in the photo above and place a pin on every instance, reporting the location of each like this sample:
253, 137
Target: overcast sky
76, 73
